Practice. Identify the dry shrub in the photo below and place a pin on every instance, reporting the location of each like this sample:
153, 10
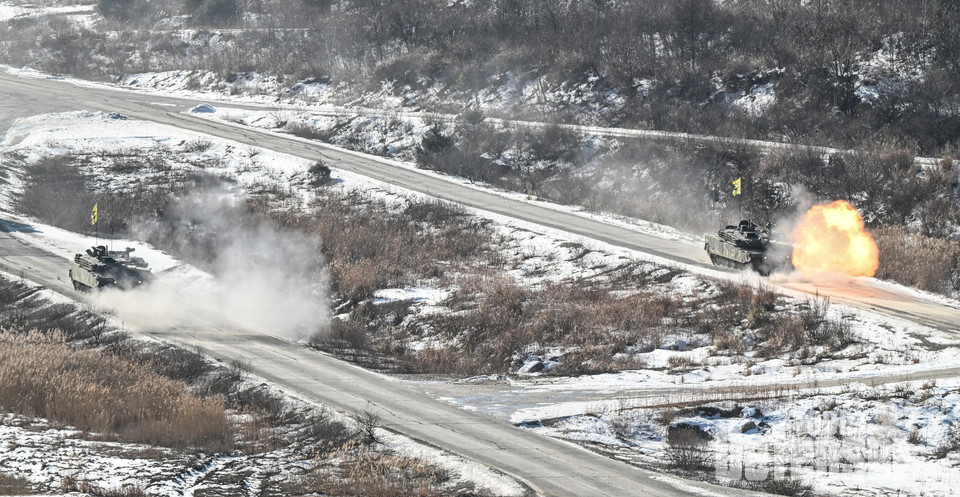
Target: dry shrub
496, 319
687, 448
180, 364
70, 484
785, 485
666, 416
258, 432
950, 444
930, 264
729, 341
342, 335
357, 280
764, 297
41, 376
371, 245
58, 193
916, 438
370, 473
326, 432
682, 363
308, 131
13, 485
784, 335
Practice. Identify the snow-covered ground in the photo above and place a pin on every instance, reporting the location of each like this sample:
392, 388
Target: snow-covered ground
579, 408
78, 13
45, 454
856, 446
855, 441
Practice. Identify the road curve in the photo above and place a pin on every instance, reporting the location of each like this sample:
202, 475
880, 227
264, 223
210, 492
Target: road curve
54, 94
550, 466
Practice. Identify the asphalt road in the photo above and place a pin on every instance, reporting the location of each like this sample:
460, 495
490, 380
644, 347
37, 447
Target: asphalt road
29, 96
549, 466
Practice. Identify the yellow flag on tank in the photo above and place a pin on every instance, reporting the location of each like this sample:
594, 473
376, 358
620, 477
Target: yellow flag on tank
93, 215
736, 187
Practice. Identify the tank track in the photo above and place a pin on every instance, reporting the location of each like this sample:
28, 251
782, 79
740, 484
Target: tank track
724, 262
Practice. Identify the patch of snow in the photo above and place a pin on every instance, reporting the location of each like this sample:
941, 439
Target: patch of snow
429, 296
203, 109
757, 100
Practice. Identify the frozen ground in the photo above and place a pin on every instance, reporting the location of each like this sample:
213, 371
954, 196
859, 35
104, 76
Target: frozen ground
871, 449
854, 441
46, 454
583, 408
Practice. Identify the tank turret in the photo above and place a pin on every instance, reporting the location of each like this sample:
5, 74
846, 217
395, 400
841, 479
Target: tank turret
746, 245
103, 268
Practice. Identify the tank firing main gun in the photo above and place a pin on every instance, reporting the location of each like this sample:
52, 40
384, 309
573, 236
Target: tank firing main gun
748, 246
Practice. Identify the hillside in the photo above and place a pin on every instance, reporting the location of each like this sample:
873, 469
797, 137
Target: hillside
300, 175
876, 81
845, 74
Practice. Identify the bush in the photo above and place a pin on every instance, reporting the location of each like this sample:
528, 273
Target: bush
356, 281
434, 144
328, 433
341, 335
212, 11
688, 448
788, 486
370, 473
14, 485
56, 192
123, 9
307, 130
949, 445
70, 485
319, 173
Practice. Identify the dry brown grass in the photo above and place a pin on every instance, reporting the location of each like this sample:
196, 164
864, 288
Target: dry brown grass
494, 318
930, 264
14, 485
41, 376
370, 245
358, 470
493, 322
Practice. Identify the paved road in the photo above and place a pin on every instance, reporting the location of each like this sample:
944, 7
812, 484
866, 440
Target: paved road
49, 95
551, 467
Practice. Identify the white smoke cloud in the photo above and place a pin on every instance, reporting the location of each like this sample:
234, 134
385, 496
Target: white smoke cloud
260, 275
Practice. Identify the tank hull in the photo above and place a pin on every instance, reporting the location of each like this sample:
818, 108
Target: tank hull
731, 248
100, 268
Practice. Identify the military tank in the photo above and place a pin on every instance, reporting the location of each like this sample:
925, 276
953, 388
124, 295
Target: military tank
748, 246
102, 268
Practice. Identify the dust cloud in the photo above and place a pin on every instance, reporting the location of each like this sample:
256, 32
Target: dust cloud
256, 274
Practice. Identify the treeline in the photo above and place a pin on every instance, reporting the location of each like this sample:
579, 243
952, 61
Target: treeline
842, 73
